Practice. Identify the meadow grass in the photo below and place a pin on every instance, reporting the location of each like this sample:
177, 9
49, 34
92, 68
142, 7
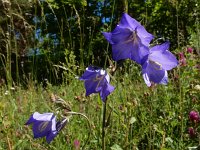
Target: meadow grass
138, 117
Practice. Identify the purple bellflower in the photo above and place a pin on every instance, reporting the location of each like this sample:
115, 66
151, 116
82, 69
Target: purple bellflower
129, 40
157, 63
97, 81
45, 125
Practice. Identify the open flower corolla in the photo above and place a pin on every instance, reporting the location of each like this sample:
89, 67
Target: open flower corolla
157, 63
129, 40
97, 81
45, 125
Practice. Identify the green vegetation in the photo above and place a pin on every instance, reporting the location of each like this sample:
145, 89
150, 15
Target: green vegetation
44, 45
146, 118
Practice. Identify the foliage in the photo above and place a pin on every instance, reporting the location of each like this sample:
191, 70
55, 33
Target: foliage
77, 26
141, 117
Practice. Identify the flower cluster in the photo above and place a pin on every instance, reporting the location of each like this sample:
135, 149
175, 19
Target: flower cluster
182, 59
194, 118
182, 56
130, 40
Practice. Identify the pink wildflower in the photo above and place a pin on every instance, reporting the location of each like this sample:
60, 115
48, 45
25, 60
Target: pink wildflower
191, 132
189, 50
182, 59
77, 144
194, 116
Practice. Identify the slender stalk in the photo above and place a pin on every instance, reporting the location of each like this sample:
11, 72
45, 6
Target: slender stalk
181, 92
177, 22
103, 126
125, 6
89, 125
9, 144
107, 48
81, 35
112, 71
197, 27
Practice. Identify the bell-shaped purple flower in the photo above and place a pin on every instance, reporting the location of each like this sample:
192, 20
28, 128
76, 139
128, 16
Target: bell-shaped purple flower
45, 125
157, 63
97, 81
129, 40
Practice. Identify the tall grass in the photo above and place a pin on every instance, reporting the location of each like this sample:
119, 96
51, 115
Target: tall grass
138, 117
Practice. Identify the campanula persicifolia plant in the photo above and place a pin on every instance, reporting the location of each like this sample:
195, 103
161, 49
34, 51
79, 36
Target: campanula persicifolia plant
45, 125
129, 40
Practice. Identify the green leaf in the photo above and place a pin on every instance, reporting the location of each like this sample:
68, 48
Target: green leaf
132, 120
84, 2
168, 139
116, 147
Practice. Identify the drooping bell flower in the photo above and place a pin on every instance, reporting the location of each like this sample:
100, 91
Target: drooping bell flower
97, 81
129, 40
157, 63
45, 125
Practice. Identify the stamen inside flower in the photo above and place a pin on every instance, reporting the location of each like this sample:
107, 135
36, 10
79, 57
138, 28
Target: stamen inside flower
43, 126
132, 38
98, 79
156, 65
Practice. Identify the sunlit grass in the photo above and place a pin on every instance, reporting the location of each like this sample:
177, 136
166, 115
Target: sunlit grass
139, 117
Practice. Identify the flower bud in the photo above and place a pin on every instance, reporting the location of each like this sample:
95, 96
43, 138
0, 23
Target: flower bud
189, 50
182, 59
77, 144
191, 132
194, 116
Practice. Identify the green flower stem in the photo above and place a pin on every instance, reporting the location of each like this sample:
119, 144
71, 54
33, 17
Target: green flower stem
103, 126
111, 73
